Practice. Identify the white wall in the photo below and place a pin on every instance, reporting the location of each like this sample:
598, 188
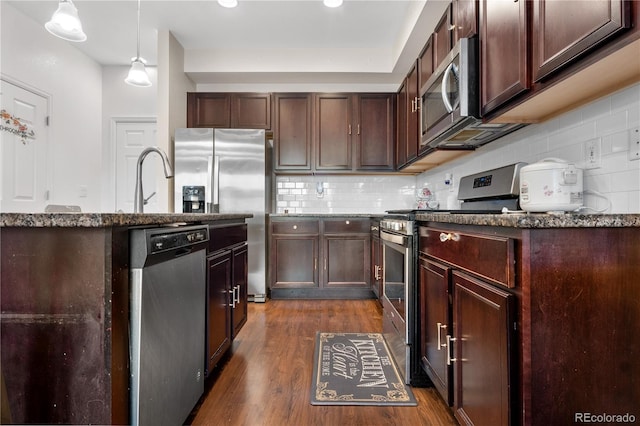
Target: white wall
73, 81
608, 119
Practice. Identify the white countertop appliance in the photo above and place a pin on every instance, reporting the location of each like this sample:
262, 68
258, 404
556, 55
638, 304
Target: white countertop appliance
551, 185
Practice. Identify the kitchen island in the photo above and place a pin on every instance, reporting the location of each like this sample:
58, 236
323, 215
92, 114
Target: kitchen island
64, 312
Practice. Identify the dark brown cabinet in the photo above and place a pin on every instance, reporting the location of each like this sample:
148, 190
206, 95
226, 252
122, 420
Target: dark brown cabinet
354, 132
504, 56
563, 31
465, 19
320, 258
442, 38
467, 323
407, 142
483, 318
229, 110
227, 281
376, 260
425, 64
218, 328
292, 131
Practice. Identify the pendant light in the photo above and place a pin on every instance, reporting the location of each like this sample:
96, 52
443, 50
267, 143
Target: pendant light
228, 3
138, 74
65, 22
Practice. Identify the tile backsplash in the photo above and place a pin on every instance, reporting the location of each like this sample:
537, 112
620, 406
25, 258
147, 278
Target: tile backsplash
608, 120
613, 186
344, 194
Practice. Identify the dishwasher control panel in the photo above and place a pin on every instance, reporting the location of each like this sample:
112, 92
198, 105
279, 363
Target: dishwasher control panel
166, 241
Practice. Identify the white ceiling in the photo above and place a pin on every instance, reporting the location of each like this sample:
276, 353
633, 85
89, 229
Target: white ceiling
260, 40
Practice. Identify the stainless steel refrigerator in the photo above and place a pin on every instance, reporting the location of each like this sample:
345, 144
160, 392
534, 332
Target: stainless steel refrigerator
228, 171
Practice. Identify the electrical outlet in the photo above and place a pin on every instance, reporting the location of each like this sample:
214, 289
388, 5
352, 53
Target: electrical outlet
634, 144
592, 153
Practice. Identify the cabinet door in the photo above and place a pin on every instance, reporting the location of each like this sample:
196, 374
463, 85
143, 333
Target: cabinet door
251, 111
218, 330
374, 131
333, 130
442, 37
435, 325
465, 19
239, 288
483, 318
425, 64
209, 110
401, 128
294, 261
376, 266
503, 52
564, 30
292, 131
347, 262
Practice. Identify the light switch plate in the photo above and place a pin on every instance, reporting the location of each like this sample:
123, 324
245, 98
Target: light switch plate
634, 143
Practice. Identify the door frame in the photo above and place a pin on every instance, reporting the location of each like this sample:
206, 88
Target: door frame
110, 166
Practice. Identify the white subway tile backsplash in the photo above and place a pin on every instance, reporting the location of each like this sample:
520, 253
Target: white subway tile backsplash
610, 118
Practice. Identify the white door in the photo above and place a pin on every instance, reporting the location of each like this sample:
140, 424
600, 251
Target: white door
23, 150
131, 139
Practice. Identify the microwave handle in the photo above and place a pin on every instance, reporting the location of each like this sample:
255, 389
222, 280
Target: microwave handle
443, 88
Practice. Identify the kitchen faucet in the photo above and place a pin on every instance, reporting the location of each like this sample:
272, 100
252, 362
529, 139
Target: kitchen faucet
138, 201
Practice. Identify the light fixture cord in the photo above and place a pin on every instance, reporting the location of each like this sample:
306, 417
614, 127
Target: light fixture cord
138, 51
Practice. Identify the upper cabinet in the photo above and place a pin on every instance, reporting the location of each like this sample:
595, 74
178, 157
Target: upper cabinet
229, 110
375, 131
334, 126
292, 131
442, 37
503, 52
465, 19
565, 30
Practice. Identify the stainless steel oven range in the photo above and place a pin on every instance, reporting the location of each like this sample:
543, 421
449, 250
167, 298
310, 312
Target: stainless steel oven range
399, 251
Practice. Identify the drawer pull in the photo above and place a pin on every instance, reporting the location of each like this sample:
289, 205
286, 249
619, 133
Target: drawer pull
347, 222
449, 237
295, 226
440, 326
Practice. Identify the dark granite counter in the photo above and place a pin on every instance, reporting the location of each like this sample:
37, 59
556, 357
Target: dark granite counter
328, 215
101, 220
536, 220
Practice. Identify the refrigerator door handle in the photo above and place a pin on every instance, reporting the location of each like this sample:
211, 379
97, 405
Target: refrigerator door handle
216, 184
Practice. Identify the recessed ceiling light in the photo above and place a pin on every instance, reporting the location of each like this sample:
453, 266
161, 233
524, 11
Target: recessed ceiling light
332, 3
228, 3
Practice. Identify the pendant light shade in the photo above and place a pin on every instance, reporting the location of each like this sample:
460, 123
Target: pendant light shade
65, 23
138, 74
228, 3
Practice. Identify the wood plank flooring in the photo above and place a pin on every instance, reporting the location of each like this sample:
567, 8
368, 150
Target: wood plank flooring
267, 380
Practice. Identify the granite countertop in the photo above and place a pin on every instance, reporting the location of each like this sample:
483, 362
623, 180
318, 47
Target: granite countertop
329, 215
102, 220
536, 220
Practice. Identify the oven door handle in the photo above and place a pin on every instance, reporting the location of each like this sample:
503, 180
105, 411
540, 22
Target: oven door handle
393, 238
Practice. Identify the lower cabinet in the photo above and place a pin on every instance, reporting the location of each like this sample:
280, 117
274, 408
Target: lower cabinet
467, 328
320, 258
376, 260
227, 280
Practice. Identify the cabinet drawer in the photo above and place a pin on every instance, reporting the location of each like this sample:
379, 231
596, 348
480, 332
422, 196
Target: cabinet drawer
350, 226
295, 227
221, 237
489, 256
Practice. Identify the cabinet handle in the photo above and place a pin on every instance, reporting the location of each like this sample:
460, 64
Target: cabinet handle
376, 274
417, 101
375, 228
450, 341
358, 129
449, 237
349, 128
315, 264
440, 326
232, 292
325, 263
238, 294
413, 105
346, 222
295, 226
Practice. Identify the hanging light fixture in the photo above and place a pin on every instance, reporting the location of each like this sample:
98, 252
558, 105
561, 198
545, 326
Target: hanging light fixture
65, 22
138, 74
333, 3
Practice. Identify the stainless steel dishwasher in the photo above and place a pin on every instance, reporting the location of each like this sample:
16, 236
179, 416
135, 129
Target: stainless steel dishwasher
167, 322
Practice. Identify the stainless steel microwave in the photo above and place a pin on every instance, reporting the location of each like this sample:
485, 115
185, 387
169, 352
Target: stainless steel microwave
450, 103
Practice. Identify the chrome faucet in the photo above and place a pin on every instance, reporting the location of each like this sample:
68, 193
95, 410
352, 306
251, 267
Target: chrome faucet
139, 201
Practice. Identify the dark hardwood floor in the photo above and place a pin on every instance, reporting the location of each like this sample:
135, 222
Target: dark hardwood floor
267, 380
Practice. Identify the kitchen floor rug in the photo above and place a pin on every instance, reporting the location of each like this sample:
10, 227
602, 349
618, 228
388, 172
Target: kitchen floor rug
356, 369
